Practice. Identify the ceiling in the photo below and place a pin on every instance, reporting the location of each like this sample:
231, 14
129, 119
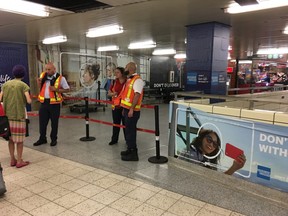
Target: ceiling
163, 21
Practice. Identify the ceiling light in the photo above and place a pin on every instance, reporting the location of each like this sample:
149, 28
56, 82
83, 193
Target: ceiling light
285, 30
24, 7
105, 30
263, 4
108, 48
56, 39
180, 56
281, 50
142, 45
164, 52
245, 61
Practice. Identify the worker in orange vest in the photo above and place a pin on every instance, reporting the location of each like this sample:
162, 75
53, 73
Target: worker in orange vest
131, 99
52, 85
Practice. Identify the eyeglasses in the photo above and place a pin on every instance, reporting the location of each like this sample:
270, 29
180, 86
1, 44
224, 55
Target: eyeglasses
210, 140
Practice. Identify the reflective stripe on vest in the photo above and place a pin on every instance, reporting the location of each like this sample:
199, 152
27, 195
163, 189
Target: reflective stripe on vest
127, 99
55, 97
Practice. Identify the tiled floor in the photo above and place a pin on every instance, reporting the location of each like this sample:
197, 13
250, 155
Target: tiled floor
54, 186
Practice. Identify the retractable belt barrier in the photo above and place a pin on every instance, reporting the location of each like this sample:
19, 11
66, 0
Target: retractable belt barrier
155, 159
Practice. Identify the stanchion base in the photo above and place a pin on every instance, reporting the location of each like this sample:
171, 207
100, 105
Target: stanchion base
87, 139
159, 160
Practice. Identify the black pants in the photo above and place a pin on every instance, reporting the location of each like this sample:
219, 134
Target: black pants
49, 111
117, 118
131, 128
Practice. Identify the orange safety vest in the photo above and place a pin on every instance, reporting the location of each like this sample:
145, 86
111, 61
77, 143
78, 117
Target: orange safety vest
128, 94
115, 100
55, 97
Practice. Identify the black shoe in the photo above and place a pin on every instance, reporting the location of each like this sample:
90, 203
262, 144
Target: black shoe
132, 155
125, 152
53, 143
40, 142
113, 142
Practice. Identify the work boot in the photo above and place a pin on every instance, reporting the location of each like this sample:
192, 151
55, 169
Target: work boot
130, 155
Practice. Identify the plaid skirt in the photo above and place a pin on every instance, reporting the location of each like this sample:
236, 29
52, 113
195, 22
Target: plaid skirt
17, 130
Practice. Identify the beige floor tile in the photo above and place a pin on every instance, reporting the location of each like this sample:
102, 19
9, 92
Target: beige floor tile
106, 197
15, 175
27, 180
107, 211
49, 209
70, 200
170, 194
217, 209
31, 203
125, 204
91, 177
87, 208
59, 179
205, 212
54, 193
236, 214
11, 186
77, 172
40, 187
106, 182
74, 184
133, 182
192, 201
18, 195
11, 210
9, 170
146, 209
89, 190
34, 169
168, 214
119, 177
122, 188
140, 194
65, 167
102, 172
45, 174
161, 201
182, 209
3, 203
151, 187
83, 166
68, 213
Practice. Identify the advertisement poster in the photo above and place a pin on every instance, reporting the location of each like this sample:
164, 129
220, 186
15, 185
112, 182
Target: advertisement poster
255, 151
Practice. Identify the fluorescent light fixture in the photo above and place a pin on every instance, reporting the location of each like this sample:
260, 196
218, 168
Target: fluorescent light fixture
164, 52
56, 39
104, 31
142, 45
108, 48
285, 30
180, 56
281, 50
24, 8
263, 4
245, 62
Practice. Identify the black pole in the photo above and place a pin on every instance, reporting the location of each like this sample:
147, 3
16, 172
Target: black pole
87, 138
157, 159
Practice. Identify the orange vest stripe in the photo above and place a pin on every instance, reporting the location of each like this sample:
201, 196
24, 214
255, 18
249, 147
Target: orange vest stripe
128, 95
55, 98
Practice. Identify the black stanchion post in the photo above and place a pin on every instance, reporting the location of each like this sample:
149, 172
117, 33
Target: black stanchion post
87, 138
157, 159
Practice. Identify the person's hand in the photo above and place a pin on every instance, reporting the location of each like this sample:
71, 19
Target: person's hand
130, 113
52, 88
239, 162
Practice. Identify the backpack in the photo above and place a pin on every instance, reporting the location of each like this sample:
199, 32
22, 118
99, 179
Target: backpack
4, 124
